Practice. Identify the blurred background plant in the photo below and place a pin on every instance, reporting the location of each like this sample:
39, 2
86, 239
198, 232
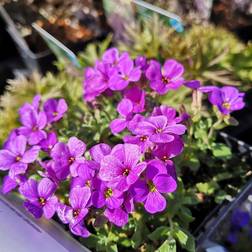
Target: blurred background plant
206, 51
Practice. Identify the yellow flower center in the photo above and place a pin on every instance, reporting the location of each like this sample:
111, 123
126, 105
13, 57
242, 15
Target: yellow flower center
88, 183
158, 130
108, 193
55, 113
42, 201
152, 187
226, 105
18, 158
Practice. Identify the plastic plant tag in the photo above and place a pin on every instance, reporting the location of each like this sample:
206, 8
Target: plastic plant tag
146, 9
118, 14
60, 50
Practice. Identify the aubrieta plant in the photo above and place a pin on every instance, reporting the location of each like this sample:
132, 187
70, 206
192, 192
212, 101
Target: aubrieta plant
121, 188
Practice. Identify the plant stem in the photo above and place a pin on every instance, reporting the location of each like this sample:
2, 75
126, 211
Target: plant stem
216, 124
171, 226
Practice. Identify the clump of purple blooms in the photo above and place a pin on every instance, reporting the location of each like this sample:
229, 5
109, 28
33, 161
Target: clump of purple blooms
111, 179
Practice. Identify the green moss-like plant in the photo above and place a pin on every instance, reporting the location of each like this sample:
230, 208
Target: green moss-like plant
209, 53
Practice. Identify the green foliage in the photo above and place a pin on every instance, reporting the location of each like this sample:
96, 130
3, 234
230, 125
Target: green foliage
94, 51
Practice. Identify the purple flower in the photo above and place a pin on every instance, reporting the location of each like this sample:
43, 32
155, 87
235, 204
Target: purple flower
48, 143
232, 237
97, 80
40, 197
126, 73
125, 109
159, 130
33, 124
132, 124
56, 171
111, 56
169, 150
150, 190
208, 89
16, 158
240, 218
98, 151
193, 84
120, 216
55, 109
75, 213
70, 154
227, 99
168, 78
10, 184
137, 97
121, 167
86, 172
106, 196
13, 134
143, 142
141, 62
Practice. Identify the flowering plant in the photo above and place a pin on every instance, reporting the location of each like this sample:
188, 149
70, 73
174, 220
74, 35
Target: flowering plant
110, 173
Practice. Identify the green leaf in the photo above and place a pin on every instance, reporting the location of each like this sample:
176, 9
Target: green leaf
220, 197
90, 241
111, 248
125, 242
141, 232
207, 188
167, 246
185, 239
185, 215
221, 150
160, 232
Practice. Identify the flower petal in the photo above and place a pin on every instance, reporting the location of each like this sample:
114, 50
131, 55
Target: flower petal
98, 151
50, 207
118, 125
31, 155
111, 168
155, 202
117, 216
46, 188
79, 197
35, 210
125, 107
165, 183
29, 189
18, 145
6, 160
76, 146
79, 230
8, 184
140, 191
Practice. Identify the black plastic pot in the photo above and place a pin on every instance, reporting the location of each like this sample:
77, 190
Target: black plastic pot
11, 63
211, 231
34, 61
32, 48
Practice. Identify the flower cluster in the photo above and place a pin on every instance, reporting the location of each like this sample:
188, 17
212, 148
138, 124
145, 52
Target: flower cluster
111, 179
226, 99
104, 180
